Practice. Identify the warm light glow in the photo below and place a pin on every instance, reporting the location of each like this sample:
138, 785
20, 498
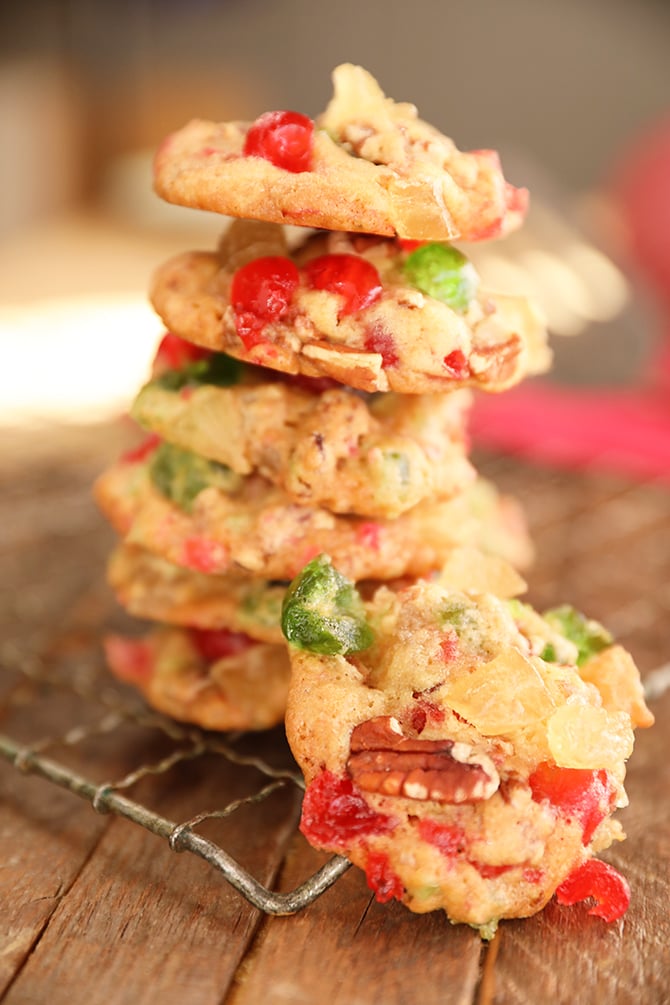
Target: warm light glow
75, 359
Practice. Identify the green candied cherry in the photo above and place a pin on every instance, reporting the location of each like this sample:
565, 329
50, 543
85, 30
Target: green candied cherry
216, 368
181, 475
442, 272
589, 636
323, 612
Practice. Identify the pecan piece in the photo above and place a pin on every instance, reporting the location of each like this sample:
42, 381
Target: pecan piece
384, 760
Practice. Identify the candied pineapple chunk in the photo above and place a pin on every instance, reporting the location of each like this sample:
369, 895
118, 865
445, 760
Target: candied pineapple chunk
587, 736
468, 569
615, 675
502, 696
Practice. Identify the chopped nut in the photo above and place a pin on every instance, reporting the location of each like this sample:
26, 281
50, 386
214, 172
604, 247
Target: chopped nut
386, 761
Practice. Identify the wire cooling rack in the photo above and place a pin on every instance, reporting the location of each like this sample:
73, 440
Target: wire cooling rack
92, 690
586, 526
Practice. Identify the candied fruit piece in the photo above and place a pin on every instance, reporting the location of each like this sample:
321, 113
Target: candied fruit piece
587, 736
286, 139
599, 880
444, 273
142, 450
355, 279
131, 660
181, 475
381, 879
323, 611
501, 696
334, 812
448, 838
589, 636
174, 352
457, 365
261, 292
380, 341
577, 793
216, 644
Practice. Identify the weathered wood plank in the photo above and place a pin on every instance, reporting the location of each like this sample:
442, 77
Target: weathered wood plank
346, 948
44, 842
140, 924
564, 955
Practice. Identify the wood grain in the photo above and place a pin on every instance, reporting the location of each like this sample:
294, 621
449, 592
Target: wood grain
347, 948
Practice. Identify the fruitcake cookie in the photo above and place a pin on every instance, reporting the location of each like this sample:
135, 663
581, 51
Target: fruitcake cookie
218, 680
464, 751
150, 587
368, 312
366, 164
200, 515
371, 455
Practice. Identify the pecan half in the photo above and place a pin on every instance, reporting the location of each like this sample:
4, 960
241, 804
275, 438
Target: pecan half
384, 760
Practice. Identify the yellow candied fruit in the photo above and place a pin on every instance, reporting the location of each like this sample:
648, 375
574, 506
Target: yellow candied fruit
502, 696
586, 736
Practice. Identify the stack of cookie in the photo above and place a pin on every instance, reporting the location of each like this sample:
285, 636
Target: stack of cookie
307, 417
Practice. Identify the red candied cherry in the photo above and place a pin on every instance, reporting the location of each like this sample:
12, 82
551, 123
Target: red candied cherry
599, 880
129, 659
286, 139
143, 450
381, 879
379, 340
578, 793
174, 352
355, 279
448, 838
457, 365
261, 292
334, 812
215, 644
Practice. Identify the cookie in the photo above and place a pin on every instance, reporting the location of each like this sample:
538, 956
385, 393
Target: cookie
366, 312
150, 587
202, 516
217, 680
366, 164
375, 455
464, 751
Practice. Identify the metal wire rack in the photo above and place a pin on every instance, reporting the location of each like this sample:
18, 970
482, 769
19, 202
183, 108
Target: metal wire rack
93, 689
583, 526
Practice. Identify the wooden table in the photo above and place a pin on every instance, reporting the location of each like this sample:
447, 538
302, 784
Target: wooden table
94, 908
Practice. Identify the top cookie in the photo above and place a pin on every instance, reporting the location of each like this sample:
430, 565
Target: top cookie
366, 164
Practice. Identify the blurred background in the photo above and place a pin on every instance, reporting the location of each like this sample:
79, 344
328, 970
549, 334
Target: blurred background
574, 93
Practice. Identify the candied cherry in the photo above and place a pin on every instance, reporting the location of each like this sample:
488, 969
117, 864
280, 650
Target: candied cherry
442, 272
381, 879
379, 340
131, 660
447, 838
286, 139
457, 365
143, 450
578, 793
261, 292
216, 644
334, 812
353, 278
174, 352
323, 612
599, 880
